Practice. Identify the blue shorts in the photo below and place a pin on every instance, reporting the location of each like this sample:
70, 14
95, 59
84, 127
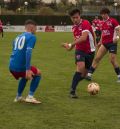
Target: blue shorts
111, 47
81, 56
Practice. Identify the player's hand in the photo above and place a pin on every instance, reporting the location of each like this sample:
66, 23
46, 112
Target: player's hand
29, 74
68, 46
115, 40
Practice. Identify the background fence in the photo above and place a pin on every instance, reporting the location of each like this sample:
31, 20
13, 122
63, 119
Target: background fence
42, 20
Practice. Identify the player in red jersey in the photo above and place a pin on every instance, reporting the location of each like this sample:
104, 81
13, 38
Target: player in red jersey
108, 43
1, 28
84, 48
96, 23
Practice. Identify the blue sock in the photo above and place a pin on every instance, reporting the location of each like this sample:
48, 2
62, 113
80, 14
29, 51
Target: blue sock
91, 70
117, 70
76, 79
34, 85
21, 86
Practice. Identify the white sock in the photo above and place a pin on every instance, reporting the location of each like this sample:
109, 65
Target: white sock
30, 96
118, 76
90, 74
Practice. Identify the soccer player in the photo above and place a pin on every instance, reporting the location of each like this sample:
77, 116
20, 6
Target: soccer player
20, 63
1, 28
96, 23
108, 43
84, 48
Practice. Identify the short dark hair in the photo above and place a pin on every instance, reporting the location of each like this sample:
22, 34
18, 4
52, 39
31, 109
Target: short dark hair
74, 11
29, 21
104, 11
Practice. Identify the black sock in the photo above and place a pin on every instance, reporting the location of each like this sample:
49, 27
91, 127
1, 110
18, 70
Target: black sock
117, 70
2, 35
76, 78
91, 70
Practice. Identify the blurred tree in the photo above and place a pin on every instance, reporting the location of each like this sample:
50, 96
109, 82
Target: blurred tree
1, 3
40, 4
79, 4
64, 6
13, 5
61, 7
32, 3
65, 2
46, 11
53, 5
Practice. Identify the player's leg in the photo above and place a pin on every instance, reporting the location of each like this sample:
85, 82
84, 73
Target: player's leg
113, 60
34, 85
88, 61
2, 33
35, 82
100, 53
98, 40
21, 84
21, 87
79, 74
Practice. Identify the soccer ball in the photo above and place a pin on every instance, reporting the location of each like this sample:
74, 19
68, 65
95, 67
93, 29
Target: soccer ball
93, 88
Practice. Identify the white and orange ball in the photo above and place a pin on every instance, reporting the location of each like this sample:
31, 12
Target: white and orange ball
93, 88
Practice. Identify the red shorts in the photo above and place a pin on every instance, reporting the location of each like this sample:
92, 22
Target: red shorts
18, 75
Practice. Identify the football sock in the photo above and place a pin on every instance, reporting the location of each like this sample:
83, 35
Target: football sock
2, 34
91, 70
34, 85
21, 86
76, 79
117, 70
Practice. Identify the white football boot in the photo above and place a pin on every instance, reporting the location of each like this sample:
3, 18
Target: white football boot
31, 99
19, 99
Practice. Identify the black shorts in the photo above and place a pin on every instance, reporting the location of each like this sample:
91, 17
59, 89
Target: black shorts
98, 35
111, 47
81, 56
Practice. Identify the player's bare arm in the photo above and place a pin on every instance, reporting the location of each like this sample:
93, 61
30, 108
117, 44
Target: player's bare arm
116, 36
82, 38
95, 39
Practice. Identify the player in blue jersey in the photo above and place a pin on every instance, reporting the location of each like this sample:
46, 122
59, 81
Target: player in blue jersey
20, 63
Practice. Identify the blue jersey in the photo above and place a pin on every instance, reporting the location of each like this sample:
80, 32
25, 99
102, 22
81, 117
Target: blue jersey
20, 45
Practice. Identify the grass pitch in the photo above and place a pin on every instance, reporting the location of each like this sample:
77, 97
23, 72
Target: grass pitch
58, 111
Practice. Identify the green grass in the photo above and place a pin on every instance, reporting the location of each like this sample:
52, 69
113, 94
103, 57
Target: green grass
58, 111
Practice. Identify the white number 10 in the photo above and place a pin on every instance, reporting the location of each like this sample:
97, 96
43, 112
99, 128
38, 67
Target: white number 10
19, 43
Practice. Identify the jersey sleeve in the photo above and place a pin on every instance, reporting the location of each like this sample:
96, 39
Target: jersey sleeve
86, 26
31, 42
115, 23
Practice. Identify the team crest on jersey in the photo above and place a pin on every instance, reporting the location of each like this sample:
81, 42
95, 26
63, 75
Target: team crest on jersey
109, 23
80, 29
78, 57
